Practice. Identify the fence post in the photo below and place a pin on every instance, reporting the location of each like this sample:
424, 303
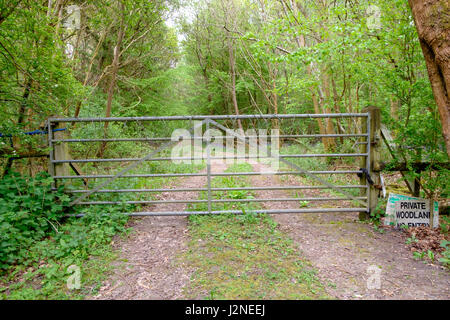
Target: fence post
374, 156
60, 151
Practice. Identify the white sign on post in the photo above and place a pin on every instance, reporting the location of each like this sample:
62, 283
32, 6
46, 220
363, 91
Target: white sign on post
409, 211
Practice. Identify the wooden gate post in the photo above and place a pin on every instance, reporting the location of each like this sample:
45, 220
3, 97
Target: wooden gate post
374, 156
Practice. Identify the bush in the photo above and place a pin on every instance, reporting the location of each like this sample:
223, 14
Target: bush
29, 210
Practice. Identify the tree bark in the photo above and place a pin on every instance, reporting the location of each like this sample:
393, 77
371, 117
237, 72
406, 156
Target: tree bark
432, 22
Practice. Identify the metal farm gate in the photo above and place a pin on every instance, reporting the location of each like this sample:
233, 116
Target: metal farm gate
94, 177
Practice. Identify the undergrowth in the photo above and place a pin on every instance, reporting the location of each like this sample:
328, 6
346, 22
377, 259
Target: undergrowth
39, 242
41, 245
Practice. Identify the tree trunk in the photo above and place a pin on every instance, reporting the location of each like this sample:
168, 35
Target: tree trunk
394, 108
112, 82
273, 77
328, 121
432, 23
319, 120
233, 80
230, 15
337, 108
301, 43
89, 72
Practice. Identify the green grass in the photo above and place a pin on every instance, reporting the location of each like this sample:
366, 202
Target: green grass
244, 256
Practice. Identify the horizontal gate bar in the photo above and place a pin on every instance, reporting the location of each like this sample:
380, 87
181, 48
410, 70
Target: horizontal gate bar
204, 139
155, 175
187, 213
216, 189
214, 158
217, 200
218, 117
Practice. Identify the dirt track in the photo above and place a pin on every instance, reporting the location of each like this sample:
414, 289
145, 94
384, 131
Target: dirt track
342, 249
146, 268
337, 245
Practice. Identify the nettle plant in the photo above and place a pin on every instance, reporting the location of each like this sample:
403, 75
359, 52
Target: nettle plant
29, 211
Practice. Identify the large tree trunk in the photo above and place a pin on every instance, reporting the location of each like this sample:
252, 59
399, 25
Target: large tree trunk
432, 23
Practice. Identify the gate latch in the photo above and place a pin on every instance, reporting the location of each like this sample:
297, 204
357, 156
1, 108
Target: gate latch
365, 173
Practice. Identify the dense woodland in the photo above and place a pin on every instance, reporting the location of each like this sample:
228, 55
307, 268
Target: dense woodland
91, 58
122, 58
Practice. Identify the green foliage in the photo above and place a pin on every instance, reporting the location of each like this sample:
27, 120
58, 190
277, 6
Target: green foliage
79, 242
445, 224
29, 210
378, 212
411, 239
343, 65
446, 253
32, 58
344, 62
38, 242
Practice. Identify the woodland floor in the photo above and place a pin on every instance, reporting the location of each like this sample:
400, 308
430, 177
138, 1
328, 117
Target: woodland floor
337, 245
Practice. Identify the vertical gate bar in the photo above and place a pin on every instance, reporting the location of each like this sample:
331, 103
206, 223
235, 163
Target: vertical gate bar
51, 165
369, 134
208, 164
